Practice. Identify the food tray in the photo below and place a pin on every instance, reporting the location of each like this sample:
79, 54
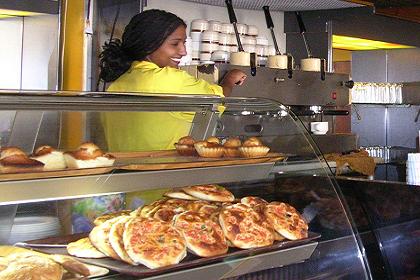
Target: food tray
190, 261
144, 161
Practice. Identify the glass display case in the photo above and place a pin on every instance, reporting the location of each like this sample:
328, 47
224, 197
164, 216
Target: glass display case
44, 210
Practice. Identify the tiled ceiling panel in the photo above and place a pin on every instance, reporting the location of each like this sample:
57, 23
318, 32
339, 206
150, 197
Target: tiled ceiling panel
282, 5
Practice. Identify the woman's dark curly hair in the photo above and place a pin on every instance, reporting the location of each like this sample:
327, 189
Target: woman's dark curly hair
144, 34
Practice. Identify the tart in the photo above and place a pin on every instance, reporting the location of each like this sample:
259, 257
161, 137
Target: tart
253, 147
209, 150
231, 147
185, 146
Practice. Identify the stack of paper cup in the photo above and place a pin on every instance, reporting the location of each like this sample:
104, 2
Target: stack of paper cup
413, 169
198, 26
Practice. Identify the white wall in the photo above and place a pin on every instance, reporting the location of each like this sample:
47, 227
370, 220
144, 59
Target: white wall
28, 55
10, 52
189, 11
40, 44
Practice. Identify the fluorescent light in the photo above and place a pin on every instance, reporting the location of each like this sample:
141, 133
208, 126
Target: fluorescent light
357, 44
13, 13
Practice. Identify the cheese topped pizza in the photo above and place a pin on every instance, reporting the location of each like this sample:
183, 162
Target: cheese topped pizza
178, 193
99, 238
258, 204
242, 227
210, 192
83, 248
204, 237
153, 243
116, 238
99, 220
253, 201
286, 220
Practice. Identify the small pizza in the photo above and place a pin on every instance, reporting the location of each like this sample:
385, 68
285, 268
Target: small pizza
210, 192
153, 243
148, 210
99, 236
116, 238
99, 220
258, 204
242, 227
204, 237
178, 193
83, 248
286, 220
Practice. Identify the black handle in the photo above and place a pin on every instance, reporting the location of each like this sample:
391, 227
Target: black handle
335, 112
349, 84
231, 12
268, 18
289, 66
300, 22
253, 63
322, 69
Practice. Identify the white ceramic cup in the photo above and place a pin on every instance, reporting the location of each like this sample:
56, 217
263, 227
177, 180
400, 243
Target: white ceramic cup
252, 30
220, 56
215, 25
241, 28
227, 28
195, 36
210, 37
199, 25
319, 128
240, 58
278, 61
311, 64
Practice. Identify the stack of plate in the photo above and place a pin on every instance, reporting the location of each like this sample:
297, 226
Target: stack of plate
34, 227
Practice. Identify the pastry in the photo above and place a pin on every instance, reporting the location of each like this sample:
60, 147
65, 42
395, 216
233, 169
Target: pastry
231, 147
116, 238
213, 139
178, 193
210, 192
99, 236
88, 155
209, 150
286, 220
14, 160
99, 220
51, 158
153, 243
31, 266
242, 227
83, 248
71, 264
203, 236
258, 204
185, 146
253, 147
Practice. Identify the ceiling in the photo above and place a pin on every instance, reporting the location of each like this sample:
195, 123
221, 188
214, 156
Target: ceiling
282, 5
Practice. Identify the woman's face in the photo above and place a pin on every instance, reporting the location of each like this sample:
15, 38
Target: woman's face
172, 49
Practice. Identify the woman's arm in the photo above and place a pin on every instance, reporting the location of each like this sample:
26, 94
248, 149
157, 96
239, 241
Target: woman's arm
232, 78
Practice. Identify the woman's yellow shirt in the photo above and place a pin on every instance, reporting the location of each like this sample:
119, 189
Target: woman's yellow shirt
145, 131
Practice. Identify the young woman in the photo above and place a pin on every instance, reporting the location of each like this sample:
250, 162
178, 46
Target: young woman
146, 60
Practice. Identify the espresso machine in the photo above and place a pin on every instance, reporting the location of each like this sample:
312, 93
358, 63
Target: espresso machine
311, 98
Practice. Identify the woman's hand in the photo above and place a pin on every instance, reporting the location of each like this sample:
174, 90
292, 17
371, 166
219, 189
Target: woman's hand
232, 78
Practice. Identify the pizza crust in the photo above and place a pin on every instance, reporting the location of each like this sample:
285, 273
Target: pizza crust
210, 192
203, 236
83, 248
153, 243
286, 220
242, 226
99, 236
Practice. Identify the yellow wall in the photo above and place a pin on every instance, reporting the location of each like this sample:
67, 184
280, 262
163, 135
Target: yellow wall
341, 55
72, 122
